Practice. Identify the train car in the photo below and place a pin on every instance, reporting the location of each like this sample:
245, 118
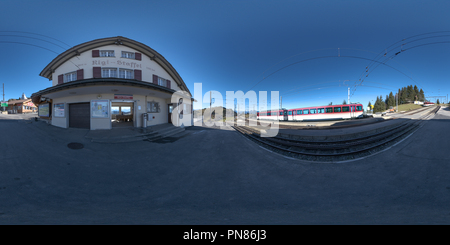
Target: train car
330, 112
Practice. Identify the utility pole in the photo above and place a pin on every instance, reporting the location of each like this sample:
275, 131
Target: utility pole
348, 99
210, 102
396, 108
3, 96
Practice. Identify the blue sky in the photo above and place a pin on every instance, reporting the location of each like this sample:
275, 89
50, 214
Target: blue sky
309, 51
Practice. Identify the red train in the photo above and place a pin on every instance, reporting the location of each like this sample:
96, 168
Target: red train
329, 112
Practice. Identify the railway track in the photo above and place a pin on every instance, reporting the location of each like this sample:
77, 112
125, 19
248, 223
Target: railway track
412, 112
335, 150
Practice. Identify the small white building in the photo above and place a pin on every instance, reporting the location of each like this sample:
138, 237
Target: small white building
112, 82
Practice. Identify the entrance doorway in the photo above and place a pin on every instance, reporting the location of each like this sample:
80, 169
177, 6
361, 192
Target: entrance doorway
79, 115
122, 114
170, 112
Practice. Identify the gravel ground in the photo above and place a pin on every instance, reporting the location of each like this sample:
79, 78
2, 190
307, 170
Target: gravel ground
216, 177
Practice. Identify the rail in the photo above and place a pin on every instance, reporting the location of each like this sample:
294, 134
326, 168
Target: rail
335, 150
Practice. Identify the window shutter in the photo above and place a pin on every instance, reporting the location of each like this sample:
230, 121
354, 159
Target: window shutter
155, 79
80, 74
61, 79
138, 56
138, 75
168, 83
96, 53
97, 72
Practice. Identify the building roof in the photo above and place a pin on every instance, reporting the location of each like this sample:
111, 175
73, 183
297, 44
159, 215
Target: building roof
119, 40
13, 102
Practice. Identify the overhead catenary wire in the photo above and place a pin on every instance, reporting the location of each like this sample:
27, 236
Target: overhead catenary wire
305, 53
404, 42
404, 39
29, 44
369, 69
40, 39
323, 57
41, 36
420, 45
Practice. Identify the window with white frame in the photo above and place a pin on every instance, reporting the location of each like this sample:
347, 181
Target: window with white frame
69, 77
109, 72
129, 55
126, 73
107, 53
162, 82
153, 107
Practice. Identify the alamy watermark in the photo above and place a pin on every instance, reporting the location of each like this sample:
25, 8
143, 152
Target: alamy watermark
237, 110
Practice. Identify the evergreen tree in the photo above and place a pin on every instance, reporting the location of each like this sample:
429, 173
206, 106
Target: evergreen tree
437, 101
379, 106
344, 102
416, 92
403, 96
391, 100
370, 106
386, 102
375, 106
410, 93
421, 95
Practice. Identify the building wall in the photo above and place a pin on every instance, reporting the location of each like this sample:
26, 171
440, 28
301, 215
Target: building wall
105, 123
86, 62
22, 107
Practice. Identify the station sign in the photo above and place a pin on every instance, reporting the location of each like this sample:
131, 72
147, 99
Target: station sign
123, 96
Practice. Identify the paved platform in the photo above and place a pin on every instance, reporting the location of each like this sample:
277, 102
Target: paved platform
317, 134
355, 128
327, 123
216, 176
130, 134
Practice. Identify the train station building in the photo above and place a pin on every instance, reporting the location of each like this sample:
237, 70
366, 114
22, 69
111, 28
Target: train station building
112, 82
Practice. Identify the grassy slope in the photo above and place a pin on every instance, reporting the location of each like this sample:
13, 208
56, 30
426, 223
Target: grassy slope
407, 107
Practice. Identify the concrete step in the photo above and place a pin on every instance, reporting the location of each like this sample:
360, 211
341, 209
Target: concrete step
119, 140
167, 132
170, 132
134, 134
180, 134
172, 138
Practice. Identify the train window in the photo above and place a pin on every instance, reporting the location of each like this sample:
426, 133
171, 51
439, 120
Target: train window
306, 111
345, 108
268, 113
330, 110
359, 108
290, 113
313, 111
337, 109
321, 110
299, 112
